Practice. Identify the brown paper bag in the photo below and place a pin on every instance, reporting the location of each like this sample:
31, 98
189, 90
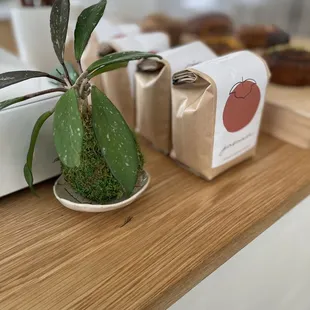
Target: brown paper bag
153, 91
119, 84
216, 112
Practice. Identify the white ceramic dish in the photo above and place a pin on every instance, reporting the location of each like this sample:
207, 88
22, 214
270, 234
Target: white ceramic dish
70, 199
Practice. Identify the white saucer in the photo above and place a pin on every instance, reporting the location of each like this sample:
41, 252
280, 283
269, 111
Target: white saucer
70, 199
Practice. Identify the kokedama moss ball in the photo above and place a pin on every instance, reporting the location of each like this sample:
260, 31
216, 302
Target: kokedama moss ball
93, 179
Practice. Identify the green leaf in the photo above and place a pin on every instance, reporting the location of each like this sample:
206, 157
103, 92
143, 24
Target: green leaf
108, 68
59, 25
115, 140
34, 136
9, 102
86, 23
29, 178
68, 129
117, 58
13, 77
60, 72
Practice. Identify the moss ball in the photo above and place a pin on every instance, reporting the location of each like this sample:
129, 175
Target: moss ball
92, 179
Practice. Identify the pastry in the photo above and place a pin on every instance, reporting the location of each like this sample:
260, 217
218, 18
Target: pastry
222, 45
210, 24
262, 36
163, 23
289, 66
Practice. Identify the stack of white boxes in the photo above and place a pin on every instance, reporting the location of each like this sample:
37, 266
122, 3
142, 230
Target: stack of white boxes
16, 124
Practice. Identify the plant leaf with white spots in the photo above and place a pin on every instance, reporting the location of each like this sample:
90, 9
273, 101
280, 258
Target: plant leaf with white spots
109, 62
68, 129
13, 77
34, 136
59, 26
115, 140
86, 23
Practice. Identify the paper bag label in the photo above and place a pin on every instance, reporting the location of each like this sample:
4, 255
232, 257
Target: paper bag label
105, 30
144, 42
187, 55
241, 79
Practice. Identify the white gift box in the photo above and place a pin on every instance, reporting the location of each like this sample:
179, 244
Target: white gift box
32, 35
16, 124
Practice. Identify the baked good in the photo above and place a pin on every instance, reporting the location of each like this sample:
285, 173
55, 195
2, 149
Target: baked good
210, 24
222, 45
289, 66
262, 36
163, 23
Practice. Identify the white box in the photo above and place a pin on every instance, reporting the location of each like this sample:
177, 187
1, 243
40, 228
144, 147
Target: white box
16, 124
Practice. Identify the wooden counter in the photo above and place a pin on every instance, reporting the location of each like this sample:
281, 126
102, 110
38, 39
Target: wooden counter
181, 230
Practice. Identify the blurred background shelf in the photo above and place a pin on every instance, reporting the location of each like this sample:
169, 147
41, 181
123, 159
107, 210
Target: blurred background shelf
290, 15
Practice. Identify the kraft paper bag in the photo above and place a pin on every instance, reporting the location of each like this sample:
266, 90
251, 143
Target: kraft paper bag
153, 91
104, 32
119, 84
216, 112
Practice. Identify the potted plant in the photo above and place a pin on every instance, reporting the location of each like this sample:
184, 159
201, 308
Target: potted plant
101, 161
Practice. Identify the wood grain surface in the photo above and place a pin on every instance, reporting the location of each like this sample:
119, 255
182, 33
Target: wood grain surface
180, 231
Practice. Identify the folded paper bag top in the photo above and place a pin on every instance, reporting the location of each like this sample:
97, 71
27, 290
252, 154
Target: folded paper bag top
216, 112
118, 84
153, 91
104, 32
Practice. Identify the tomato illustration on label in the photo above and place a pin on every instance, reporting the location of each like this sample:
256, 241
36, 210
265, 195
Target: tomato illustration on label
241, 105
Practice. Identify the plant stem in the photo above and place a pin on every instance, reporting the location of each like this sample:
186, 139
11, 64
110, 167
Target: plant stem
80, 67
56, 78
83, 105
80, 79
83, 84
43, 92
66, 74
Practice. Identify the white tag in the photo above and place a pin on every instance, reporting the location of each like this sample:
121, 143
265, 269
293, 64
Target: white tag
153, 42
187, 55
105, 30
129, 29
241, 79
145, 42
